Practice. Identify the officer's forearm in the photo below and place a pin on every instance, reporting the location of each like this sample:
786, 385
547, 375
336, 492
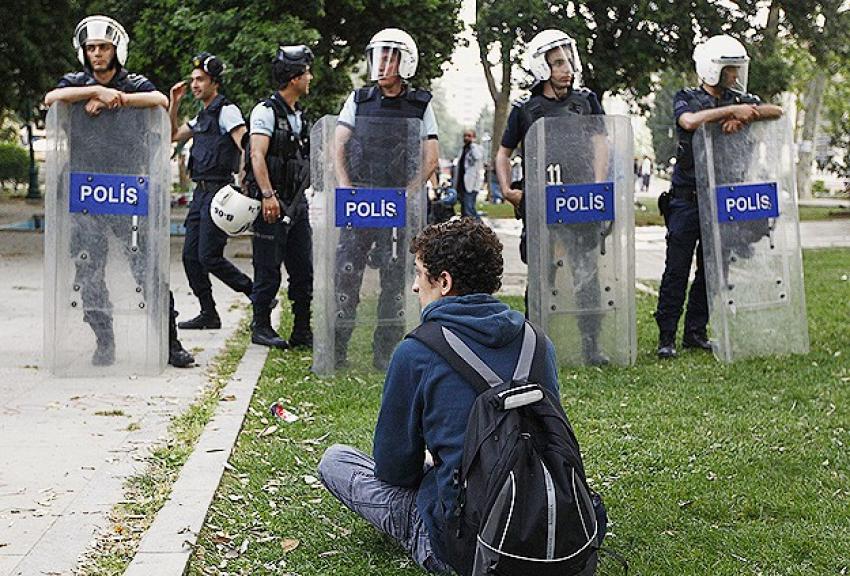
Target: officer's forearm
341, 136
503, 167
145, 100
690, 121
769, 111
600, 157
261, 171
431, 161
70, 94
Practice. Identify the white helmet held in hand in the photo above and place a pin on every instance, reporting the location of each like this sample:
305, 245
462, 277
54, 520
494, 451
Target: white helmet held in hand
384, 46
543, 42
103, 29
232, 211
715, 54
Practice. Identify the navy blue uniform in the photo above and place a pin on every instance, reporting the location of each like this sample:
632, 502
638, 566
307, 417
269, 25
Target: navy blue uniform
369, 166
90, 273
683, 224
581, 239
289, 243
214, 159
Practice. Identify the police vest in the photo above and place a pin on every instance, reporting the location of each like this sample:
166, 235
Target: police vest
214, 156
288, 156
699, 99
538, 106
379, 151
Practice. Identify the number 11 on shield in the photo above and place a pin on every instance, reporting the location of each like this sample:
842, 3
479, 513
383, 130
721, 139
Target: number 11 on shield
553, 171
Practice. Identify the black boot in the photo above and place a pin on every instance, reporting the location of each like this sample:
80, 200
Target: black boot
302, 334
666, 345
262, 332
593, 354
178, 356
208, 318
101, 324
696, 339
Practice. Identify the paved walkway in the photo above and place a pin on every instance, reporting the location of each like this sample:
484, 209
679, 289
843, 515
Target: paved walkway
62, 464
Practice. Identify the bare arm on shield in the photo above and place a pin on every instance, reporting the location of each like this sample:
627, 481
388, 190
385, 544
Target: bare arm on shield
430, 161
109, 96
503, 172
259, 148
600, 157
744, 113
341, 136
145, 99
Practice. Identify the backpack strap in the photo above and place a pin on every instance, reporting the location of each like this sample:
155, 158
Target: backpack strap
471, 367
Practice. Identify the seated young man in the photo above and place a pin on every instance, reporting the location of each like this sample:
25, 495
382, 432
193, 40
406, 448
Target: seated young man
426, 404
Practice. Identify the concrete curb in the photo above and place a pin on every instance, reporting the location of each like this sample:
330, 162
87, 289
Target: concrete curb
168, 543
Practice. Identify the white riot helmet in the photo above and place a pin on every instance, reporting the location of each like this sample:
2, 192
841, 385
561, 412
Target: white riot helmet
715, 54
384, 46
543, 42
104, 29
232, 211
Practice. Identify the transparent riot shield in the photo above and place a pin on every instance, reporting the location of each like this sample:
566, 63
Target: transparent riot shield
106, 241
751, 240
580, 227
369, 202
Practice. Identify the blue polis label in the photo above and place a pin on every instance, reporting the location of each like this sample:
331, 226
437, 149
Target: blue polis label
371, 208
747, 202
577, 203
109, 194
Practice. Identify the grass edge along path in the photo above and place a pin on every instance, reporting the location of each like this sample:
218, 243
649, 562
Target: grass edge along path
706, 468
145, 493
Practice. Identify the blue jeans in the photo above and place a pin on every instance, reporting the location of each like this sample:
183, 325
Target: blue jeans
349, 475
467, 204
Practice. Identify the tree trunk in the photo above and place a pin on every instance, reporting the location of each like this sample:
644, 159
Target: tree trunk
812, 104
501, 96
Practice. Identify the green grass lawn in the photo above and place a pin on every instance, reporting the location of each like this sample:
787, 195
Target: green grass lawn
705, 468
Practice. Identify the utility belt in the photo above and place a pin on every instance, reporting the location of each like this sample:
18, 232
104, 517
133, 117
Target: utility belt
211, 185
684, 193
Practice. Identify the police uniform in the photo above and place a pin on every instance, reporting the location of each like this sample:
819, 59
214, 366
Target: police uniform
683, 224
290, 240
582, 239
89, 272
213, 160
369, 166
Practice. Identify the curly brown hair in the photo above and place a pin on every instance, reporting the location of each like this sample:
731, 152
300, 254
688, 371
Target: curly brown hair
467, 249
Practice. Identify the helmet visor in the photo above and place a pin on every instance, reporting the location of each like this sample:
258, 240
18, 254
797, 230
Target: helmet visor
99, 32
733, 73
560, 60
382, 61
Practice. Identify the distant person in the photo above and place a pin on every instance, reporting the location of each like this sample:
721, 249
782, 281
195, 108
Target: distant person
467, 174
645, 174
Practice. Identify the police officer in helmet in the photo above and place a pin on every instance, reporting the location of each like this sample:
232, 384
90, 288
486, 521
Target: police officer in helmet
553, 60
721, 64
392, 58
101, 44
277, 170
216, 134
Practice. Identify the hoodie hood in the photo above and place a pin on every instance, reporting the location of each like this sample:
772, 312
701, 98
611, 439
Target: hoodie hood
479, 317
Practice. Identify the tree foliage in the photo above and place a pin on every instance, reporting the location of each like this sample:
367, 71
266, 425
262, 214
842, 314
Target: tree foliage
167, 33
35, 50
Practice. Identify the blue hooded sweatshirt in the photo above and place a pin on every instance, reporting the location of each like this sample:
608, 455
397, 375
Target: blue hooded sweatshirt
426, 403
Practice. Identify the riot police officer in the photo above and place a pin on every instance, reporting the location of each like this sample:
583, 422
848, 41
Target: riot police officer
553, 60
721, 64
216, 134
392, 58
101, 44
277, 170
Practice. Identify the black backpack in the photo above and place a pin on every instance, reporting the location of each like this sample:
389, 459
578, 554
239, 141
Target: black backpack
524, 506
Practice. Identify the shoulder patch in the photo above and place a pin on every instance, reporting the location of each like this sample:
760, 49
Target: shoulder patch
422, 96
521, 101
76, 79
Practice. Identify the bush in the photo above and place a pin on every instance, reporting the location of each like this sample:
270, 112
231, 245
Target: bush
14, 163
819, 188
